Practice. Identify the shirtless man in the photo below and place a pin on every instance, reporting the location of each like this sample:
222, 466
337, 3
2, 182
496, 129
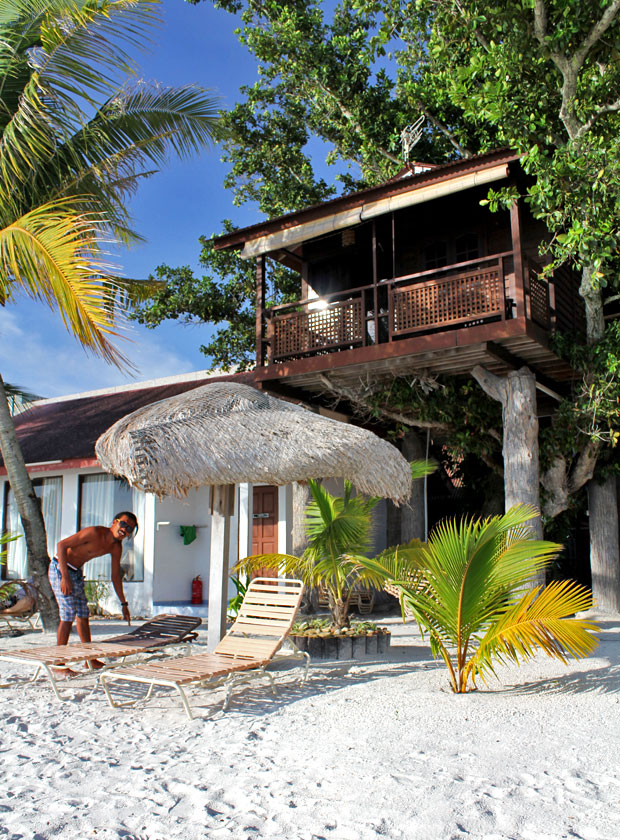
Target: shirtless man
67, 578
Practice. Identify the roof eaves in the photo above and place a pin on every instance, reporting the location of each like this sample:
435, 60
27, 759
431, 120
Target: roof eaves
238, 238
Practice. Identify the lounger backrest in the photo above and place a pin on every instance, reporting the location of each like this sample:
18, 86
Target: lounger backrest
265, 618
161, 630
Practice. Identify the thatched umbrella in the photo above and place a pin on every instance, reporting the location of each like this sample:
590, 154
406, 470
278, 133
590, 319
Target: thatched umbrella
227, 433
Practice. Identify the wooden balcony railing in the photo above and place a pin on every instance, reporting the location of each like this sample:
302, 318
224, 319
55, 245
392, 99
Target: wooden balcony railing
467, 294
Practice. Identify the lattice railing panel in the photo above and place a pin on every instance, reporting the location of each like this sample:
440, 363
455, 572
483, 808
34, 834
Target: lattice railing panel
340, 325
453, 300
539, 299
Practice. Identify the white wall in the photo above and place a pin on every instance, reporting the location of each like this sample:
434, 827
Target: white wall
175, 564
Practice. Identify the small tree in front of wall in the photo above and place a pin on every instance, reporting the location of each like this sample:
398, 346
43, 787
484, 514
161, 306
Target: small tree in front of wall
337, 527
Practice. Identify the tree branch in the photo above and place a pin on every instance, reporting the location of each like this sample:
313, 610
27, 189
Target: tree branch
570, 67
583, 470
492, 385
348, 115
596, 33
604, 109
357, 400
444, 130
477, 32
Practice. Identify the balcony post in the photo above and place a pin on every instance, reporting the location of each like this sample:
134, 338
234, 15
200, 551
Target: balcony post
260, 310
515, 229
375, 295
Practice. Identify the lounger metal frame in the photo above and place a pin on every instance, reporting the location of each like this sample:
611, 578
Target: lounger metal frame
161, 635
265, 619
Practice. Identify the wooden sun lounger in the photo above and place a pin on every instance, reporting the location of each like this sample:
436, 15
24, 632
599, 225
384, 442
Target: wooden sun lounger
159, 632
262, 626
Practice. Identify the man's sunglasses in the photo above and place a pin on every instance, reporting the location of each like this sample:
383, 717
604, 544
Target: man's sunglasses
126, 526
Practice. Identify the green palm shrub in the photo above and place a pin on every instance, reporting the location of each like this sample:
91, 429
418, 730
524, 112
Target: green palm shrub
338, 527
469, 589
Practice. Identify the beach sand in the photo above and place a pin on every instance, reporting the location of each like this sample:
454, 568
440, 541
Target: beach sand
366, 750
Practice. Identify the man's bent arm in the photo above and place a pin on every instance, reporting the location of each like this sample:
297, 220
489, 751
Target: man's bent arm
65, 580
117, 582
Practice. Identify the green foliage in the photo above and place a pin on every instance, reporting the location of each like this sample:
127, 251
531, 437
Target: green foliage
592, 413
466, 589
235, 602
335, 525
475, 429
318, 625
96, 592
224, 296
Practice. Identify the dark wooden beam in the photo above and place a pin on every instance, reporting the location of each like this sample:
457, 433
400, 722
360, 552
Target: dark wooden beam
279, 389
515, 230
260, 310
496, 351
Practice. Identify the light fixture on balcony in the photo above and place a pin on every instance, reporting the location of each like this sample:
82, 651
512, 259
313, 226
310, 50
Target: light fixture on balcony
318, 305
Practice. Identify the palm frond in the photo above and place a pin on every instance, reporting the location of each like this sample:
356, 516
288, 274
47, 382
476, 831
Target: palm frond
286, 563
52, 254
540, 621
419, 469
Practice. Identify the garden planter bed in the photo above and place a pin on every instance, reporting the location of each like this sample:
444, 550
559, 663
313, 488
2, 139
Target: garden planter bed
344, 646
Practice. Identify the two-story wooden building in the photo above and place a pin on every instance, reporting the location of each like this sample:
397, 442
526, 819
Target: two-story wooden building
414, 275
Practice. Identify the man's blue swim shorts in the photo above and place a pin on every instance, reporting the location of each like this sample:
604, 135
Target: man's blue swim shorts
72, 605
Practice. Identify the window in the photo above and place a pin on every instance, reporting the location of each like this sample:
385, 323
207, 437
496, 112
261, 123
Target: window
466, 247
435, 255
101, 496
49, 490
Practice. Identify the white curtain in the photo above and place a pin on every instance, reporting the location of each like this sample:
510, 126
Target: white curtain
51, 504
133, 561
103, 496
49, 490
97, 508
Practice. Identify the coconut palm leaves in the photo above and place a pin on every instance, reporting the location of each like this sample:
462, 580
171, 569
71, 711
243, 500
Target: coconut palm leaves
76, 138
338, 527
467, 589
52, 254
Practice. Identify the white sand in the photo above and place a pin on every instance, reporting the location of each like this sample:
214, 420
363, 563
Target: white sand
375, 751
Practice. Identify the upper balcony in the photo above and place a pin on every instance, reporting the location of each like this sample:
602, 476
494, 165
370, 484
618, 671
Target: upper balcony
467, 305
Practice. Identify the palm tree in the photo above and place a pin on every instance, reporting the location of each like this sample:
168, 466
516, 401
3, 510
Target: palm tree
337, 527
75, 139
469, 589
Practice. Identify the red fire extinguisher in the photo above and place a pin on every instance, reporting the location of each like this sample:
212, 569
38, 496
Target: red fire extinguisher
197, 590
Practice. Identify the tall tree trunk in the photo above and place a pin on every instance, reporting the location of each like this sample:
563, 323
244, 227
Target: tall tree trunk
29, 509
591, 293
299, 539
604, 545
602, 499
412, 515
517, 394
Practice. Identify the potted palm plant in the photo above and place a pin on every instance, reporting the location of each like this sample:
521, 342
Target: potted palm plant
338, 527
471, 589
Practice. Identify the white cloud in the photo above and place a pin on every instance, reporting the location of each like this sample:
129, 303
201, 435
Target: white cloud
40, 355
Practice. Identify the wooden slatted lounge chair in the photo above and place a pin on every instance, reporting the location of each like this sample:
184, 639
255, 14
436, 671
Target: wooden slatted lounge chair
163, 631
264, 621
25, 611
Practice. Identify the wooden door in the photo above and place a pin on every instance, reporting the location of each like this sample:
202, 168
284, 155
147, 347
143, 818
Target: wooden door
265, 525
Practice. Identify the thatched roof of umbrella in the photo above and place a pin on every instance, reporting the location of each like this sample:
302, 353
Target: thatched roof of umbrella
228, 433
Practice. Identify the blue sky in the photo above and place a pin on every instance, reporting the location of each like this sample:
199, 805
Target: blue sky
172, 209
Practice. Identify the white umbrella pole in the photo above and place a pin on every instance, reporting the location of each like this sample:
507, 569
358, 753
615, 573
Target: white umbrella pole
221, 497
